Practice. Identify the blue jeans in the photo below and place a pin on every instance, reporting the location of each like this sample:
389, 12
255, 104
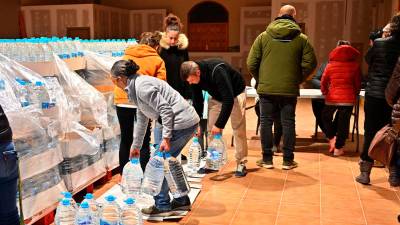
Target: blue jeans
8, 184
178, 141
271, 105
157, 133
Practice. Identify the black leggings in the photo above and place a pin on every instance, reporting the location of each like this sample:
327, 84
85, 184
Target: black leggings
377, 115
126, 118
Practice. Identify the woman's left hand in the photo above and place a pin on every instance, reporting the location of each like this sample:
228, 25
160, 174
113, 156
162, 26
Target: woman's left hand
165, 145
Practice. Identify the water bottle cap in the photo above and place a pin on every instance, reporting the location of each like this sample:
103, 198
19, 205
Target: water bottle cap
38, 83
158, 153
67, 194
196, 139
89, 196
110, 198
167, 155
135, 161
130, 201
84, 205
217, 136
65, 202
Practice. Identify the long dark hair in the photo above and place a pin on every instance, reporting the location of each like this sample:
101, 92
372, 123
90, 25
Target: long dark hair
127, 68
395, 26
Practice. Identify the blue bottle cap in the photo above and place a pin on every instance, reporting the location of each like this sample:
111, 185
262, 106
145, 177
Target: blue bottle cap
84, 205
38, 83
130, 201
135, 160
217, 136
65, 202
110, 198
167, 155
158, 153
67, 194
89, 196
196, 140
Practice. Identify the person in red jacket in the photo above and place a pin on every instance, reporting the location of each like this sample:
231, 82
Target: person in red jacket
340, 84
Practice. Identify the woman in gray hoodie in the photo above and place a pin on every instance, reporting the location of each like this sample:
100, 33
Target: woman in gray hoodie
155, 98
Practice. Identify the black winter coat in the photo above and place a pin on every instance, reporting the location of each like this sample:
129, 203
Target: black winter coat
381, 59
224, 85
5, 129
173, 57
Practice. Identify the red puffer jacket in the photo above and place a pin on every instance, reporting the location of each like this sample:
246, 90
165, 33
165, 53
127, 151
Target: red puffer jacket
341, 80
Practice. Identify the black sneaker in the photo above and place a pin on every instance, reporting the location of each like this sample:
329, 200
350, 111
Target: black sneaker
265, 164
241, 170
176, 206
288, 165
154, 211
204, 170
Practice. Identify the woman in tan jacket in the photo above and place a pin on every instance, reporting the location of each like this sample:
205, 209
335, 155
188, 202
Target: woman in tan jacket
146, 56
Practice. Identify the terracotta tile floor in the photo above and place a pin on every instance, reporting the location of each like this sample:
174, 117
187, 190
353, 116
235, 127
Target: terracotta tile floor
322, 190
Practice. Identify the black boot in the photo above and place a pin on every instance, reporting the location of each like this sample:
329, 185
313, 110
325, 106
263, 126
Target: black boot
394, 176
365, 169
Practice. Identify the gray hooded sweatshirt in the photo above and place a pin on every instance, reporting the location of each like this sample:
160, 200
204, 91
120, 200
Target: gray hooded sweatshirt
154, 98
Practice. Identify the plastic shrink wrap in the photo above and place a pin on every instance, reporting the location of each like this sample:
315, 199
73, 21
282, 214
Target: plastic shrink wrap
82, 143
97, 74
26, 99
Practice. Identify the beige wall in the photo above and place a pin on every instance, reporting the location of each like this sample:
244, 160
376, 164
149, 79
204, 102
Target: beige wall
181, 9
9, 26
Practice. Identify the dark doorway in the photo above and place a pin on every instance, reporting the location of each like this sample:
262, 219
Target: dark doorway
208, 27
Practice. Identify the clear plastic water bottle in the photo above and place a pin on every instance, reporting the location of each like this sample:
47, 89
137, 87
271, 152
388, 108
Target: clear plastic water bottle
175, 176
94, 207
84, 216
22, 92
194, 155
130, 214
154, 175
39, 96
132, 176
110, 213
65, 214
216, 153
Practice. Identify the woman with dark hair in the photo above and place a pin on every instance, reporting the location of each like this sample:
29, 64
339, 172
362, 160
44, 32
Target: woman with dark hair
381, 59
8, 174
155, 98
146, 56
174, 52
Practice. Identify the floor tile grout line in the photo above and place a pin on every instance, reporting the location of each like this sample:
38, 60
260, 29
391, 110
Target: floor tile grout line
190, 215
358, 192
241, 200
280, 202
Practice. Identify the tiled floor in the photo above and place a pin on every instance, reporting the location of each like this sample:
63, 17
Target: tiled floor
322, 190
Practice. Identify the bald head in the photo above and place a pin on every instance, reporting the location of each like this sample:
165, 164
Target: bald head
287, 10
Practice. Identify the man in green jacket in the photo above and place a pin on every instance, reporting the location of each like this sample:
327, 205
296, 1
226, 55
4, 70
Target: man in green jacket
280, 59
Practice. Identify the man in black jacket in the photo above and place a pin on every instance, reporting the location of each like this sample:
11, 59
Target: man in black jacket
228, 99
8, 174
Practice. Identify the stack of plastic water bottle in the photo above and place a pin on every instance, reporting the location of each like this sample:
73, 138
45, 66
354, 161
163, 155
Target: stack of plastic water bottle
92, 213
41, 49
